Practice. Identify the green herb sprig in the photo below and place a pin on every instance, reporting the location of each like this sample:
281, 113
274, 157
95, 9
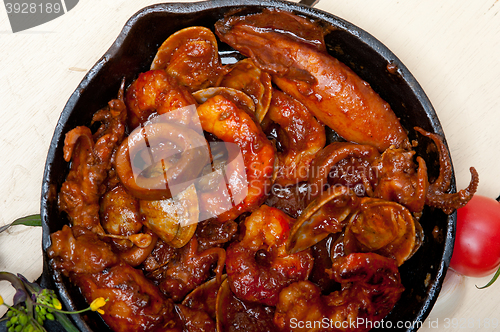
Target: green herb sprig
33, 305
31, 220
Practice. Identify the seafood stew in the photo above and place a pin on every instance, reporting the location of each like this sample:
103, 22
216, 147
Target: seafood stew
420, 276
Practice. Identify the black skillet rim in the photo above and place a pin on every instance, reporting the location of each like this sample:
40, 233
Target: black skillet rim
54, 279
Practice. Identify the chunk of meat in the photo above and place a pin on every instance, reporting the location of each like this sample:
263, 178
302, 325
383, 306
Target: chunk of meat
133, 302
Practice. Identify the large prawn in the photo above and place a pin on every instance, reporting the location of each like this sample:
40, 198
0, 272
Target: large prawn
301, 67
222, 118
301, 137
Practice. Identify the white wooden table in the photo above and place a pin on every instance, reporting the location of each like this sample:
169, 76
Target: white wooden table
451, 46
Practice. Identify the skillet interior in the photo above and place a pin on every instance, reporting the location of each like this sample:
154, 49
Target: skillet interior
133, 51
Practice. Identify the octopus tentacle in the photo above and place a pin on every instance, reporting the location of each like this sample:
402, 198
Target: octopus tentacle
442, 183
86, 142
221, 261
417, 204
91, 157
436, 194
449, 202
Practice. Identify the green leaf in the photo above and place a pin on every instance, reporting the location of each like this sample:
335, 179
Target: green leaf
65, 322
31, 220
495, 277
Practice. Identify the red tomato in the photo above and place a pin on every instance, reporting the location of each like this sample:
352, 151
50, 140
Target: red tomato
477, 240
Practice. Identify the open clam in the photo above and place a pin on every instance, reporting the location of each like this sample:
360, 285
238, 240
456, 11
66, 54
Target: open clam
247, 77
204, 297
174, 219
191, 56
383, 227
326, 214
238, 97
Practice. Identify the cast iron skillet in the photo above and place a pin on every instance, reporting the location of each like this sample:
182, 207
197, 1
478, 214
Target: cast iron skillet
132, 53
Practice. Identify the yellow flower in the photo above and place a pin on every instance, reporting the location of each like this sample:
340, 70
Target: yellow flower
1, 300
56, 303
97, 304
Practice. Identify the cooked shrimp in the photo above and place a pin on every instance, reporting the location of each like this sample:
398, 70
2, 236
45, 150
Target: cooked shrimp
258, 267
154, 92
222, 118
301, 137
